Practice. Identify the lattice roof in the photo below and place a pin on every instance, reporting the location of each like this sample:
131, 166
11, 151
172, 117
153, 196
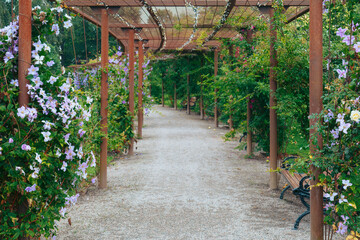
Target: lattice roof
172, 24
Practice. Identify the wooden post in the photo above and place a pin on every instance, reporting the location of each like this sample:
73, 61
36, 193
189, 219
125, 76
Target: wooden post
216, 90
201, 94
24, 61
162, 92
175, 97
131, 83
188, 94
231, 54
140, 90
249, 150
273, 116
316, 90
24, 49
104, 95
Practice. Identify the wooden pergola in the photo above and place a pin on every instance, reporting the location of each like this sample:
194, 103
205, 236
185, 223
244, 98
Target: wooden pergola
168, 25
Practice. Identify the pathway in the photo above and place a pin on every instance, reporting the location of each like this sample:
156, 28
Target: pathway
185, 182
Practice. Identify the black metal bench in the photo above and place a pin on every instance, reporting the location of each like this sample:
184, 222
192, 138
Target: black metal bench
300, 185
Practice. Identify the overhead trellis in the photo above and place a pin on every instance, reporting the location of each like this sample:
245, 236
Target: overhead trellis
169, 25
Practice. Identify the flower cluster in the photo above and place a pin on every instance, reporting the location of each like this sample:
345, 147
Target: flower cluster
44, 152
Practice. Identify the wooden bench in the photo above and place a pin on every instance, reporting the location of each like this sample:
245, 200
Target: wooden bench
300, 185
192, 103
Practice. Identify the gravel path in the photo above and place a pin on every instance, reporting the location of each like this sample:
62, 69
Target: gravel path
185, 182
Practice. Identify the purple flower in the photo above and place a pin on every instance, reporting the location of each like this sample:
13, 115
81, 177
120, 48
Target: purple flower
329, 116
11, 140
8, 56
31, 189
328, 206
25, 147
62, 211
93, 180
345, 218
335, 133
344, 127
50, 63
348, 40
123, 102
70, 153
342, 229
341, 32
33, 70
55, 28
81, 132
66, 137
342, 73
83, 167
63, 167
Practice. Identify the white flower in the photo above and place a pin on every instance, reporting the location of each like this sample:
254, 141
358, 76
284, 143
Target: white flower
344, 127
14, 82
22, 112
86, 115
62, 211
38, 158
38, 45
33, 70
20, 169
355, 115
37, 81
80, 153
52, 80
330, 196
39, 60
63, 167
46, 136
47, 48
0, 150
65, 87
58, 152
8, 56
89, 100
346, 184
342, 199
47, 125
55, 28
36, 171
93, 163
67, 24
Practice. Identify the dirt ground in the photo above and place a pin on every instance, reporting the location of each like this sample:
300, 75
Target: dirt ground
185, 182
